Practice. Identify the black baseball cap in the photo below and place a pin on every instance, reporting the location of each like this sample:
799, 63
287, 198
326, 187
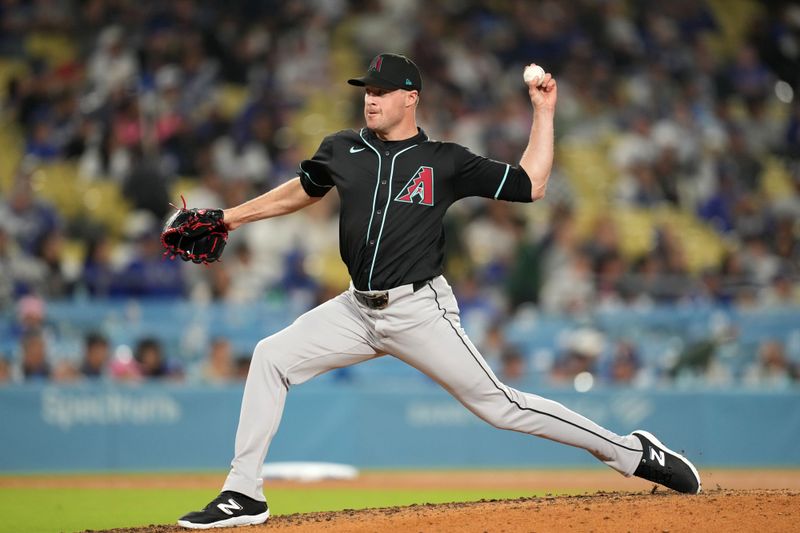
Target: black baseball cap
390, 71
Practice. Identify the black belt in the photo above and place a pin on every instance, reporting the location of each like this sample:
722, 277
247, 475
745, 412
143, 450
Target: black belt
380, 299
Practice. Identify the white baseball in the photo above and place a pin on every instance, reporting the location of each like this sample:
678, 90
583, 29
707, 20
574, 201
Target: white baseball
533, 73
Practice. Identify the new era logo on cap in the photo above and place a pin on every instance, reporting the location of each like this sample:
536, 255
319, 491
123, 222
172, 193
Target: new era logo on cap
391, 71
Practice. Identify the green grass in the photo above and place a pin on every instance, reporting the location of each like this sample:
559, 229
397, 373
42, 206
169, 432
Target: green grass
67, 510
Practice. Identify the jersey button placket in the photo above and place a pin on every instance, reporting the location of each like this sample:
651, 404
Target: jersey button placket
379, 212
372, 237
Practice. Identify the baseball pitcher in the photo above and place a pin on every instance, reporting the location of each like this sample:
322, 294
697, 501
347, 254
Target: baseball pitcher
395, 186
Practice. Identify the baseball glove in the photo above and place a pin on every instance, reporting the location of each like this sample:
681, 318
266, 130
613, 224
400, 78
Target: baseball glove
197, 235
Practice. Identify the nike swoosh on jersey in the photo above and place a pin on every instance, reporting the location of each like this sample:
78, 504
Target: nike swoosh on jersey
354, 150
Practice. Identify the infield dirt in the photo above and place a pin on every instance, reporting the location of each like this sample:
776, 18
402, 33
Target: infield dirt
718, 510
729, 503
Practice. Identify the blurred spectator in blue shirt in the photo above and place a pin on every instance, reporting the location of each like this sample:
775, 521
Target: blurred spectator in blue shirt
34, 361
97, 277
42, 143
298, 285
18, 270
476, 306
625, 364
149, 274
748, 76
95, 356
27, 218
149, 356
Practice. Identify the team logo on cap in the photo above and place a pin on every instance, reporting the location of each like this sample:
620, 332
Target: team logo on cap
419, 188
376, 64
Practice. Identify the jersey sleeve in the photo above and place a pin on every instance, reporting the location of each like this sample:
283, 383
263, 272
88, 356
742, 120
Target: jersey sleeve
481, 176
314, 173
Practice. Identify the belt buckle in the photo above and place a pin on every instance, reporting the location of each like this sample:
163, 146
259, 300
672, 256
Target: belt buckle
374, 301
378, 301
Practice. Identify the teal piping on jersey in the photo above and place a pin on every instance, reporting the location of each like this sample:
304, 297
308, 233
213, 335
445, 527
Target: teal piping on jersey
377, 182
500, 188
312, 181
385, 213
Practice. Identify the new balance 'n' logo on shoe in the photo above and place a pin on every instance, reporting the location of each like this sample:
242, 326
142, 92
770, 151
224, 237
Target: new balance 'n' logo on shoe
230, 507
661, 465
658, 455
227, 509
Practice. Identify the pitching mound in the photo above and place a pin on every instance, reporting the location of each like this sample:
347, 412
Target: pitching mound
715, 510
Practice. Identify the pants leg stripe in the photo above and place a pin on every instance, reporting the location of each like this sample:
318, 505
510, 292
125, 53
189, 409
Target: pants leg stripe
498, 387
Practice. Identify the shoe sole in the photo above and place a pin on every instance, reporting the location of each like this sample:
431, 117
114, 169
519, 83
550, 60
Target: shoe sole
249, 520
654, 440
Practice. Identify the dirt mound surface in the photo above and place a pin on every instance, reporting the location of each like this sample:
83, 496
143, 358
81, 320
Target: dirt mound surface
658, 511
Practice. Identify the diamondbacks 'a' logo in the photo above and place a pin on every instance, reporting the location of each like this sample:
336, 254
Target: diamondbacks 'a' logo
376, 64
419, 188
657, 455
230, 507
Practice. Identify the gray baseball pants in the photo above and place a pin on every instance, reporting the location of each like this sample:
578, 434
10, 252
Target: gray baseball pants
422, 329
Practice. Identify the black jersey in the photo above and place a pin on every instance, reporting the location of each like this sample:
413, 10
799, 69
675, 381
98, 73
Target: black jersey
394, 196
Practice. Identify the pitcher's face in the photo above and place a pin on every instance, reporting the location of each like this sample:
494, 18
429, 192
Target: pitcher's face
384, 108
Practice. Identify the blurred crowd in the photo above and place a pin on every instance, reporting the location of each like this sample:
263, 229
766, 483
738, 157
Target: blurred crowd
98, 359
688, 123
